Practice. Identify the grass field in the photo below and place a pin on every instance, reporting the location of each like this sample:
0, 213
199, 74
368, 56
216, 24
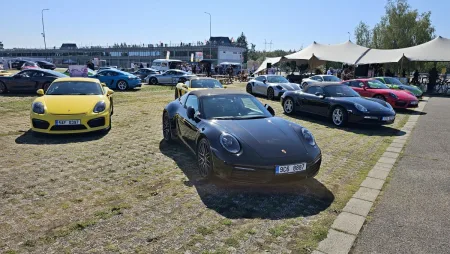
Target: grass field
128, 191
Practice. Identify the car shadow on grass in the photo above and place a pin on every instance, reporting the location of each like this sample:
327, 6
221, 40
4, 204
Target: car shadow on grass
365, 129
31, 138
406, 111
250, 201
19, 95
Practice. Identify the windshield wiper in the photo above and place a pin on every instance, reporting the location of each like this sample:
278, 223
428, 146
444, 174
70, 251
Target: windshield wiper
224, 118
253, 117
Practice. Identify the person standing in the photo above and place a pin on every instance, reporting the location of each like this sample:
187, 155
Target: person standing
415, 80
194, 69
330, 71
208, 69
432, 80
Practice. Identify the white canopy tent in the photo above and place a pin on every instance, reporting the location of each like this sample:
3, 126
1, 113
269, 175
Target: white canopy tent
317, 54
271, 60
436, 50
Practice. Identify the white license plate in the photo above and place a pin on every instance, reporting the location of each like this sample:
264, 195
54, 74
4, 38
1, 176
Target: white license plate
288, 169
67, 122
414, 102
388, 118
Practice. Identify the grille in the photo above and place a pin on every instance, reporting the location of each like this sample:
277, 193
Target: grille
68, 127
40, 124
400, 103
97, 122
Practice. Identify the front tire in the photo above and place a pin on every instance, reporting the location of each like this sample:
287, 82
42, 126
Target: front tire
153, 81
122, 85
339, 116
249, 88
288, 106
3, 88
166, 128
270, 94
204, 160
176, 93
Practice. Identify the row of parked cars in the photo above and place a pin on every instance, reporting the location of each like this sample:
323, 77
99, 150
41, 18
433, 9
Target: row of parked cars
25, 64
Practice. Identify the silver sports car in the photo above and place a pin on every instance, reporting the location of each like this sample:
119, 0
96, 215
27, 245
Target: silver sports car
272, 86
169, 77
319, 78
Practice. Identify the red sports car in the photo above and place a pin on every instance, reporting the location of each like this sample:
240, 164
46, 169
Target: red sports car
376, 89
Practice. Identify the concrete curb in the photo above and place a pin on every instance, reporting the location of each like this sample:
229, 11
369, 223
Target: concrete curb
348, 224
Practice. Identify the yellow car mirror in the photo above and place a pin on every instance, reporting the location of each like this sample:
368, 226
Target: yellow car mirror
40, 92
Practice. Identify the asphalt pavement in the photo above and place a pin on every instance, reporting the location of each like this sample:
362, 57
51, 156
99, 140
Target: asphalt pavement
413, 215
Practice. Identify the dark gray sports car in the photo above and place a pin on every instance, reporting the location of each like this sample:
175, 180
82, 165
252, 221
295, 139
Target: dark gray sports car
338, 102
235, 137
29, 80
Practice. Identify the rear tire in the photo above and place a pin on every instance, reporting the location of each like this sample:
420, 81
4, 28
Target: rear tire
166, 128
288, 106
153, 81
204, 160
176, 93
339, 116
270, 94
3, 88
249, 88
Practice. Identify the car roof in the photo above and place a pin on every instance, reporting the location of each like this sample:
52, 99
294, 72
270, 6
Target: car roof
322, 84
212, 92
94, 80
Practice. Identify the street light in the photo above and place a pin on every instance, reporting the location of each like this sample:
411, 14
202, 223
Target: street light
210, 54
43, 28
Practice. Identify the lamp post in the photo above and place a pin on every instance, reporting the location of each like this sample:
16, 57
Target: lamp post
43, 28
210, 54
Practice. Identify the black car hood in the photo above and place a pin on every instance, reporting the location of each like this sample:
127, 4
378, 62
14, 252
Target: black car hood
268, 137
372, 105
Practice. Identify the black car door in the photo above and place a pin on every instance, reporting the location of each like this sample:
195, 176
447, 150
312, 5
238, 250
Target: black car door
188, 127
21, 82
315, 102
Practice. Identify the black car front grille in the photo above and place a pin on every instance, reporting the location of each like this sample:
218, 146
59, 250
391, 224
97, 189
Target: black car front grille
68, 127
40, 124
400, 103
96, 122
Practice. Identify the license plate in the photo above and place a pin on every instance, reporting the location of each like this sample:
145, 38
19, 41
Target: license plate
288, 169
414, 102
388, 118
67, 122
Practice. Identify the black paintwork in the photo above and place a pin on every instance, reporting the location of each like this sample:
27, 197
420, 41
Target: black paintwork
46, 65
17, 64
324, 106
262, 141
37, 79
144, 72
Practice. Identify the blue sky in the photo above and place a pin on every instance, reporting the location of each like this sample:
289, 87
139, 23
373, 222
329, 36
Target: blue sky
289, 24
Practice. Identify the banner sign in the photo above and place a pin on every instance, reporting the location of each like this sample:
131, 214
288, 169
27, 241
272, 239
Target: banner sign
198, 56
78, 71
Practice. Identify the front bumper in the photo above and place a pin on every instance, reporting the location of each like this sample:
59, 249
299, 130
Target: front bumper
263, 173
133, 83
371, 117
45, 123
405, 104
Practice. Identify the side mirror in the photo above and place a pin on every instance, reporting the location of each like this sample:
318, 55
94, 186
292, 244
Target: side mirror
109, 92
40, 92
190, 112
103, 84
270, 109
264, 81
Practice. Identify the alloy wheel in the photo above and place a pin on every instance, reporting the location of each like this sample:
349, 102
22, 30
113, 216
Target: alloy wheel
166, 127
2, 88
249, 88
153, 81
122, 85
288, 106
338, 116
204, 158
270, 94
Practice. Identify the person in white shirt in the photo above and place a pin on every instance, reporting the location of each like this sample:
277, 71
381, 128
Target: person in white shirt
330, 71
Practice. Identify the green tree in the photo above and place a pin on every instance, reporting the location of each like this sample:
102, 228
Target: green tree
400, 27
242, 42
363, 34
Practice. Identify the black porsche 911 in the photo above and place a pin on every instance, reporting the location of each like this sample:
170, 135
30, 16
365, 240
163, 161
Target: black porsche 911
28, 80
236, 138
338, 102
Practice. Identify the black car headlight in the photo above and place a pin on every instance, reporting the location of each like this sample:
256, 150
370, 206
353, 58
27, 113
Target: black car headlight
230, 143
393, 96
38, 107
100, 107
360, 107
308, 136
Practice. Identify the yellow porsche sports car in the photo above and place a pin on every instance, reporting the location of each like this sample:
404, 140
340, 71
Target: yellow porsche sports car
72, 105
196, 83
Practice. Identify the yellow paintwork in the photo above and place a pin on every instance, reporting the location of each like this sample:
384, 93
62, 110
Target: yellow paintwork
73, 107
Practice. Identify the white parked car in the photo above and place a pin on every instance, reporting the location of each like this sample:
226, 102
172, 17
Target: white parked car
272, 86
319, 78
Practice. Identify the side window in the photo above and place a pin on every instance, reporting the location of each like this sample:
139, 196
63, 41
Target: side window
381, 80
183, 98
163, 64
312, 90
103, 73
320, 79
192, 101
26, 74
356, 83
346, 83
39, 74
361, 84
260, 78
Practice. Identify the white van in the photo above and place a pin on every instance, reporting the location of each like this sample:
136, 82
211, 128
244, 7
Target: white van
164, 65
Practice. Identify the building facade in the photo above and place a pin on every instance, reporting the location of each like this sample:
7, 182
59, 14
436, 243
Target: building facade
123, 55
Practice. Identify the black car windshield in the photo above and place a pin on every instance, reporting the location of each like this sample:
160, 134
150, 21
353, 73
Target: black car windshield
277, 79
376, 84
75, 88
205, 83
232, 107
331, 79
340, 91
